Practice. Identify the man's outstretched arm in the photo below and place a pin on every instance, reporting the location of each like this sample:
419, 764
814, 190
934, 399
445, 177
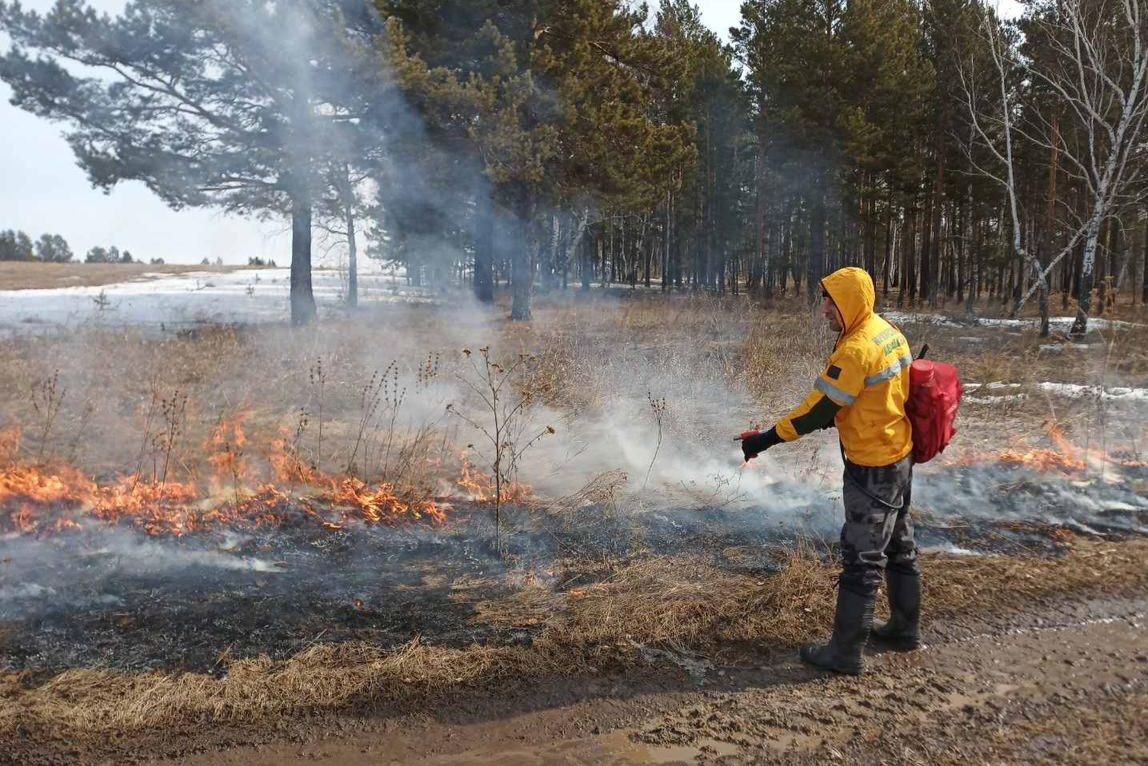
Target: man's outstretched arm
837, 387
820, 414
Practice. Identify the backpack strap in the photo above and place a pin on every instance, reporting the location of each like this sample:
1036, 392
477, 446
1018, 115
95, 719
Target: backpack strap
860, 488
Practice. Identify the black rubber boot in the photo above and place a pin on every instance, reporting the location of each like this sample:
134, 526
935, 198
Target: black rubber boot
902, 631
851, 625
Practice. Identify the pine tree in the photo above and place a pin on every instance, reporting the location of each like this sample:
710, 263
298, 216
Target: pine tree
556, 110
16, 246
242, 104
52, 248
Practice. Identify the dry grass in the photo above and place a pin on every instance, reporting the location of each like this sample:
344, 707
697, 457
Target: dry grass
39, 276
587, 353
673, 602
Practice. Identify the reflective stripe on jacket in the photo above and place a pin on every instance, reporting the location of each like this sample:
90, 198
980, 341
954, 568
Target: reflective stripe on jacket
867, 375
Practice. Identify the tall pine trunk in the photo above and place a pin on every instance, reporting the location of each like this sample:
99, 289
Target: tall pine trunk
302, 297
352, 260
484, 248
522, 279
586, 262
522, 266
868, 208
757, 272
931, 264
669, 240
888, 262
816, 242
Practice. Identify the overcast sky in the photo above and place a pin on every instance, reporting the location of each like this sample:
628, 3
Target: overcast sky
43, 190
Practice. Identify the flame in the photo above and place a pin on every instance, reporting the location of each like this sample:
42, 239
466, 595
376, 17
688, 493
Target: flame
10, 438
225, 449
41, 499
26, 489
289, 468
157, 508
382, 504
1063, 456
480, 487
1043, 460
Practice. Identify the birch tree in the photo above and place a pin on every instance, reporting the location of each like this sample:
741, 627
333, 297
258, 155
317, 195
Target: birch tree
991, 98
1097, 67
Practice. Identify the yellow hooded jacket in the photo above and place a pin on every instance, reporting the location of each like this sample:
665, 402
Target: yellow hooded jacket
867, 377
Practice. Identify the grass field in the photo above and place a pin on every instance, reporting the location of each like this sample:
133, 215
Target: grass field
39, 276
102, 402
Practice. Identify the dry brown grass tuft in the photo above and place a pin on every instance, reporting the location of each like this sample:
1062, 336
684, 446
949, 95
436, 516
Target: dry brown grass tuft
960, 584
687, 601
323, 677
673, 601
782, 355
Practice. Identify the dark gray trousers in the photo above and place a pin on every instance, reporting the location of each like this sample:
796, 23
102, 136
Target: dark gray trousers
878, 532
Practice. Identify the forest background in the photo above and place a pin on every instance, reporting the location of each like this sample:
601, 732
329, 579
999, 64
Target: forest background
957, 156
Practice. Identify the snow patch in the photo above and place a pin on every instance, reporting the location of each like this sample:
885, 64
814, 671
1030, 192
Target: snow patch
995, 385
1057, 347
1108, 393
172, 301
1058, 323
994, 399
1067, 390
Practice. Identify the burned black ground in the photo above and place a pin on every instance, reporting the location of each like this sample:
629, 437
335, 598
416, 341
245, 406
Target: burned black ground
113, 597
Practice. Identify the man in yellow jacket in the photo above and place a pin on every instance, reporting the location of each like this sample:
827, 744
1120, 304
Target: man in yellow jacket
862, 392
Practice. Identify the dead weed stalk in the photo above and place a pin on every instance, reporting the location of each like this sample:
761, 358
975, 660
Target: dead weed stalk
47, 398
505, 404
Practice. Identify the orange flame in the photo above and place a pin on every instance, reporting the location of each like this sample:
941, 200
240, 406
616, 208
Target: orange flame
381, 504
225, 449
154, 507
25, 489
1063, 457
480, 487
286, 463
10, 438
42, 499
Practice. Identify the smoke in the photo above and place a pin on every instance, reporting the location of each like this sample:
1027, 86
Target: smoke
696, 465
56, 573
323, 54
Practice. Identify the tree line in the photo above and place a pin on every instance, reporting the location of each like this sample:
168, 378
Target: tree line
957, 156
18, 246
52, 248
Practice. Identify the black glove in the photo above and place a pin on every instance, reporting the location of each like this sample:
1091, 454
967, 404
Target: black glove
759, 443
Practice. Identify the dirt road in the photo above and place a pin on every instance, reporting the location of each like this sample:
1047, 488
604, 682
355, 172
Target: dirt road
1063, 685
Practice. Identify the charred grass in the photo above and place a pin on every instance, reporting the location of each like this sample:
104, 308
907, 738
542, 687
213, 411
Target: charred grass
677, 606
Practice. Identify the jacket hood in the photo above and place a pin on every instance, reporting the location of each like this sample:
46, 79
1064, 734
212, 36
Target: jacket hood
852, 291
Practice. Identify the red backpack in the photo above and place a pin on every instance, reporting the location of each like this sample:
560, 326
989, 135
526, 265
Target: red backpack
935, 393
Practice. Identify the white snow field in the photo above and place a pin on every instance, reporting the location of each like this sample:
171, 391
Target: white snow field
175, 301
1009, 391
1060, 324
